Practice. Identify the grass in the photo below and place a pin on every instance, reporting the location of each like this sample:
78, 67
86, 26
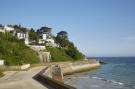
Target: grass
14, 51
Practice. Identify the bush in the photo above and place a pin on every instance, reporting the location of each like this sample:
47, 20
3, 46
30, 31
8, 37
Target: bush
14, 51
58, 54
73, 52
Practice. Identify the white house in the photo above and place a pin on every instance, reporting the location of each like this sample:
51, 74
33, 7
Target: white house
19, 34
50, 41
44, 36
41, 41
27, 38
8, 28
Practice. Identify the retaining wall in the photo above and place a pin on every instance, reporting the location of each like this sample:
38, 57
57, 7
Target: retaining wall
52, 82
65, 68
79, 67
14, 68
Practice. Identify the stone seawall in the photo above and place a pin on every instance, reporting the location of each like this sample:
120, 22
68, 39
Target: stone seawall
53, 74
79, 67
45, 77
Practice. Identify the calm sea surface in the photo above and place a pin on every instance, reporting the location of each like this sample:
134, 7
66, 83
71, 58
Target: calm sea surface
118, 74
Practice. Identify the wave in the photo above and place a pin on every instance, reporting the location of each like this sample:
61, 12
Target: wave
102, 79
105, 80
109, 81
114, 82
101, 82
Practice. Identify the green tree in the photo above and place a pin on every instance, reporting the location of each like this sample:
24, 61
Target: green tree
44, 30
62, 38
19, 28
32, 30
33, 35
73, 52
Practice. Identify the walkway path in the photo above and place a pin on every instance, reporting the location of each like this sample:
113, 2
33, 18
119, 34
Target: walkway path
21, 79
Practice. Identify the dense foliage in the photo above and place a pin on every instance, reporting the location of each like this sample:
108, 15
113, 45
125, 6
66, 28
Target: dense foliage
73, 52
33, 36
58, 54
19, 28
66, 47
14, 51
62, 38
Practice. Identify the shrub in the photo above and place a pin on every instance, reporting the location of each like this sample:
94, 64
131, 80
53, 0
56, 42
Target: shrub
58, 54
14, 51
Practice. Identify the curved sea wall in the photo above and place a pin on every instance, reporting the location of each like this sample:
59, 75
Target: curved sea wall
79, 67
46, 76
53, 74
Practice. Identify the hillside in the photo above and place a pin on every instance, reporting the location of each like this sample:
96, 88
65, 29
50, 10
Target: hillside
14, 51
58, 54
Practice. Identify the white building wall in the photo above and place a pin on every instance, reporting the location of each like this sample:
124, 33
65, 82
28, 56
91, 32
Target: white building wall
1, 62
8, 28
21, 35
44, 36
50, 40
26, 41
37, 47
26, 38
41, 41
18, 35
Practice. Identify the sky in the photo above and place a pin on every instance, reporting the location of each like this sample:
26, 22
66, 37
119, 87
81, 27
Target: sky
97, 27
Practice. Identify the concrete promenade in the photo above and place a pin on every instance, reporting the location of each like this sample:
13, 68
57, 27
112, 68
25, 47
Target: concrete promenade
51, 74
21, 79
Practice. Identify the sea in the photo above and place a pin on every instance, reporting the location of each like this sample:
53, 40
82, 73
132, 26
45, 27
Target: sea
118, 73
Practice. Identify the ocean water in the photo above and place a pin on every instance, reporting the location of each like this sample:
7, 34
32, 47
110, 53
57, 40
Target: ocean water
119, 73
